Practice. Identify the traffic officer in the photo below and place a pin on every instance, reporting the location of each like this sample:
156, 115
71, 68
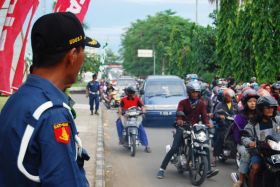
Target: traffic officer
93, 89
39, 145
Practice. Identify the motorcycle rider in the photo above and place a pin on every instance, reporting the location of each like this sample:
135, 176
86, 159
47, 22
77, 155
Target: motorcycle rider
193, 107
228, 106
266, 123
275, 91
108, 91
249, 101
129, 101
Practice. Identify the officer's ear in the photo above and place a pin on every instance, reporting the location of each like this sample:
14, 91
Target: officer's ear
72, 56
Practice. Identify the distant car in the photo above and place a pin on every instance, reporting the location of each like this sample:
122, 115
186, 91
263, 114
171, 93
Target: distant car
124, 82
161, 95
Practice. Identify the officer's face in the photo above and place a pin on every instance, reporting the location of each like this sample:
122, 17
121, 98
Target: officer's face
76, 59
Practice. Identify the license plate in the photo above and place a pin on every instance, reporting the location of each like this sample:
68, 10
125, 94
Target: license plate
165, 113
275, 159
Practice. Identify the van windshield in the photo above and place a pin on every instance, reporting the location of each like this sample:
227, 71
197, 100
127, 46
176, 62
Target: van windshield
164, 88
126, 82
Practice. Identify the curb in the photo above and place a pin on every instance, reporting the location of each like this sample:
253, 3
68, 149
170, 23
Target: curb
100, 157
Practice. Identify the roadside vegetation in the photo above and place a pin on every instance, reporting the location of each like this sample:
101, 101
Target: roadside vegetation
242, 42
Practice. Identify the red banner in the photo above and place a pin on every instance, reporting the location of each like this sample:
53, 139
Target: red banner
78, 7
14, 21
1, 3
19, 73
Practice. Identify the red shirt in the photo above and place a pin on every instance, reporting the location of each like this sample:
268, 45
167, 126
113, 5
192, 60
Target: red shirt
126, 102
192, 114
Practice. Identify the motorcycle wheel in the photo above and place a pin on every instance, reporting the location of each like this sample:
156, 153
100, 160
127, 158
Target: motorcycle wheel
198, 170
237, 159
107, 105
133, 145
222, 159
180, 170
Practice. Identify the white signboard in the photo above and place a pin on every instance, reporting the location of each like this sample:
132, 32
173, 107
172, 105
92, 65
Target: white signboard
145, 53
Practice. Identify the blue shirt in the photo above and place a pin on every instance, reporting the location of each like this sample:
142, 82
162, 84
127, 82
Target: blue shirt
52, 160
93, 86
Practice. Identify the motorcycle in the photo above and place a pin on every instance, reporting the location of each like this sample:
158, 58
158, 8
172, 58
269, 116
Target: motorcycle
115, 100
192, 155
269, 151
229, 146
131, 121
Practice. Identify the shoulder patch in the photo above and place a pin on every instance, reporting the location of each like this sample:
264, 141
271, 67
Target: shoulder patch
62, 132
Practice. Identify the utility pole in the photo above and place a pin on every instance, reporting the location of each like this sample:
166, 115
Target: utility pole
154, 54
196, 10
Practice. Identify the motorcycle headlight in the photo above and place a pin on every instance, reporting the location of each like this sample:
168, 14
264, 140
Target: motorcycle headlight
201, 136
274, 145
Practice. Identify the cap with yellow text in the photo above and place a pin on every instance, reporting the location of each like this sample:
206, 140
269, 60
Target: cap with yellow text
59, 32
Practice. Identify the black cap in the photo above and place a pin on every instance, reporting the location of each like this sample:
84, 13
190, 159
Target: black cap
58, 32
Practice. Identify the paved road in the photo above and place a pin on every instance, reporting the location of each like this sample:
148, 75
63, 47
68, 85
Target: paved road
140, 171
125, 171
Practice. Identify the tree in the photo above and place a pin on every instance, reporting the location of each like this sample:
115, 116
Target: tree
248, 42
110, 57
171, 37
92, 63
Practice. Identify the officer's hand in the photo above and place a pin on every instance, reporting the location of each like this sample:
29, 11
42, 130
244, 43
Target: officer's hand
86, 95
180, 122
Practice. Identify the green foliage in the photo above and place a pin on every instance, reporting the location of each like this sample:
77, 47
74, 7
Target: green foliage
181, 47
248, 42
92, 63
111, 57
3, 100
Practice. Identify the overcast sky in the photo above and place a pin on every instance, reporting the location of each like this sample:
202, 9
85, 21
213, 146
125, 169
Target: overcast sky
107, 19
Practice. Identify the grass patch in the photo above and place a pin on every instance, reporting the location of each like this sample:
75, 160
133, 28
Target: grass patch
2, 101
79, 84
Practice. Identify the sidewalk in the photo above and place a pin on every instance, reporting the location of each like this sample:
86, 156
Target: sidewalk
90, 130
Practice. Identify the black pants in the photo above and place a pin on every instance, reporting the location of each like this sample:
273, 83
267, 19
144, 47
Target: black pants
219, 142
177, 142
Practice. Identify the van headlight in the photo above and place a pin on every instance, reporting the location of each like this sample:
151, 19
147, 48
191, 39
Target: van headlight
274, 145
201, 136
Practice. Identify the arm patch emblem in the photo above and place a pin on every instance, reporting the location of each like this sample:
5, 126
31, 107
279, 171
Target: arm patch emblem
62, 132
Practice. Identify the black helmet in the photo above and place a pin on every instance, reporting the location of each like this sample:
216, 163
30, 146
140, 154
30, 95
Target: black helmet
267, 101
247, 94
130, 90
193, 86
276, 86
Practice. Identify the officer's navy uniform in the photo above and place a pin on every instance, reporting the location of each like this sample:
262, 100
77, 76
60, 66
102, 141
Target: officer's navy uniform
93, 87
51, 152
